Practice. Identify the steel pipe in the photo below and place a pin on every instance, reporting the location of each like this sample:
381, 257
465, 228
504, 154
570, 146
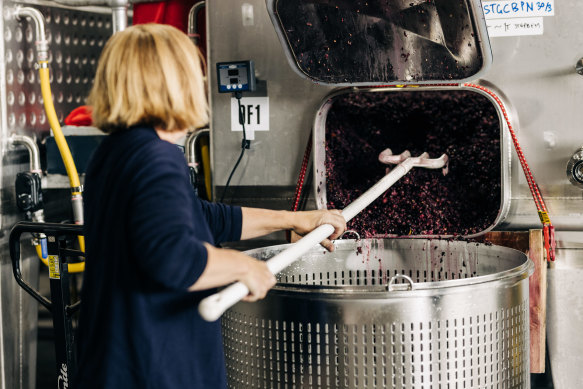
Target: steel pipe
42, 45
32, 148
119, 10
192, 24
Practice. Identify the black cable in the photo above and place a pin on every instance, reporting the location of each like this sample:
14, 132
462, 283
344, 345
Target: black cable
245, 144
231, 175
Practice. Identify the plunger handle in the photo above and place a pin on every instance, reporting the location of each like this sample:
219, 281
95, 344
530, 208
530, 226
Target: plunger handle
212, 307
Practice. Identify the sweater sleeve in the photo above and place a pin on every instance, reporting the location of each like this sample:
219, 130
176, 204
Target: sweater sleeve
163, 232
224, 220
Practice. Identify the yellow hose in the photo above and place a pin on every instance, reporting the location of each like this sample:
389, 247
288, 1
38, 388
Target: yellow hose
78, 267
206, 165
64, 150
56, 127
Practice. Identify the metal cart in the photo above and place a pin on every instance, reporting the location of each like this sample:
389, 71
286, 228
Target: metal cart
60, 254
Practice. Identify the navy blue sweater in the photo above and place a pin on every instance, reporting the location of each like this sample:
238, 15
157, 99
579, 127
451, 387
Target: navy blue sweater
144, 228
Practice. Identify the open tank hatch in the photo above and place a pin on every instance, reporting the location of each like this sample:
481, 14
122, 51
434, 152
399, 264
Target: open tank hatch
353, 127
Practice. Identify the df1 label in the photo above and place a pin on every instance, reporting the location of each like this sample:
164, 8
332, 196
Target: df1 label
255, 113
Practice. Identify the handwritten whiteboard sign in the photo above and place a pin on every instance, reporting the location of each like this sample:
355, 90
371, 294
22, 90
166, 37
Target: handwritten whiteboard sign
515, 27
255, 115
517, 9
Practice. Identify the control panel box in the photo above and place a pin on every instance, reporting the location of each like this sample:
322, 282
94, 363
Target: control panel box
236, 76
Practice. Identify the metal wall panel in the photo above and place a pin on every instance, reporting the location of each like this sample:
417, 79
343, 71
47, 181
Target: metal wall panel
75, 40
275, 156
565, 315
76, 37
18, 310
536, 74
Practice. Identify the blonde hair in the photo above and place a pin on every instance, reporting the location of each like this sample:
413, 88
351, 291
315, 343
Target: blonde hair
149, 74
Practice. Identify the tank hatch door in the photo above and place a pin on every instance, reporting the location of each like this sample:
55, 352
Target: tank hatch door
375, 42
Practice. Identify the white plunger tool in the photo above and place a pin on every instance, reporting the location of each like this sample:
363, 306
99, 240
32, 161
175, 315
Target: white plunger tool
212, 307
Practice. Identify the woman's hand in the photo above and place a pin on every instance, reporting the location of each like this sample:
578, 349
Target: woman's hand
259, 222
258, 279
306, 221
225, 266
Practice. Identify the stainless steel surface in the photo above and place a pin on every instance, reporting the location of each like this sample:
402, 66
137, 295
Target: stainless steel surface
18, 311
330, 322
347, 43
119, 15
31, 146
535, 73
190, 148
41, 43
19, 325
565, 318
119, 10
75, 41
575, 168
193, 29
275, 155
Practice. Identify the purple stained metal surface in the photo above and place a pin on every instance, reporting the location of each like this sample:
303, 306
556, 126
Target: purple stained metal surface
462, 124
354, 41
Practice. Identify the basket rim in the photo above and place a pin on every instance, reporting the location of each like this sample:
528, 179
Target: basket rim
512, 275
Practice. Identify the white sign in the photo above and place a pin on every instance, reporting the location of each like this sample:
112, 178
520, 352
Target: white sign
517, 9
515, 27
255, 111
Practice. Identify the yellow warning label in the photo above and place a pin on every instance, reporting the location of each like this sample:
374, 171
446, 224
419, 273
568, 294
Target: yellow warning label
544, 217
54, 271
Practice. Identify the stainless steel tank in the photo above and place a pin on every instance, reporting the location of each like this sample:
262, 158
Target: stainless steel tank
380, 313
76, 37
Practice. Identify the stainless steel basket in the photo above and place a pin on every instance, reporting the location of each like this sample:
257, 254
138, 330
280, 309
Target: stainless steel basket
379, 313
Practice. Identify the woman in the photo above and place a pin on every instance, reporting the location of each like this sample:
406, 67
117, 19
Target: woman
150, 242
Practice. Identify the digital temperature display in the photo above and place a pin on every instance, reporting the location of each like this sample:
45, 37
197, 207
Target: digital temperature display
236, 76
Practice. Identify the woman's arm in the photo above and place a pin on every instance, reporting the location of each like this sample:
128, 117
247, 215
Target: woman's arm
225, 266
258, 222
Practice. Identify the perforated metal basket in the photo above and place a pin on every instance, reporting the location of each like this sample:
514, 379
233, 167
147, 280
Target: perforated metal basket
378, 313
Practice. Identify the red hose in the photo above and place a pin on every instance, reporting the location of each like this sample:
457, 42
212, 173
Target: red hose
302, 176
548, 228
301, 180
